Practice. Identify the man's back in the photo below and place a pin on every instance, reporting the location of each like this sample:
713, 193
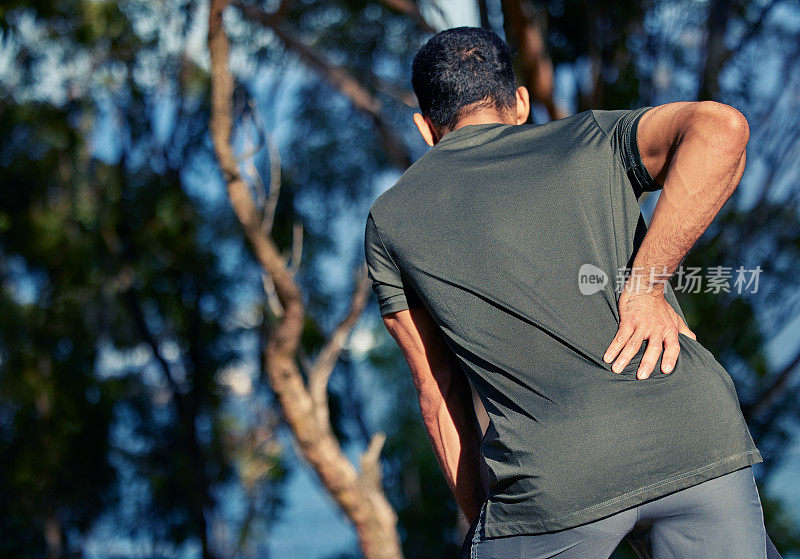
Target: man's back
489, 231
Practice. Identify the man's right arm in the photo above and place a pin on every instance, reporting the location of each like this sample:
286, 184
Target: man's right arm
696, 150
445, 401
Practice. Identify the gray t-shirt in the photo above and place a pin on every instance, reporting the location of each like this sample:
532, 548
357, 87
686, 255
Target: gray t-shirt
489, 230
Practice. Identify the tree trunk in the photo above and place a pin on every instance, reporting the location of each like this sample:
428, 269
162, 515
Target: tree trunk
359, 495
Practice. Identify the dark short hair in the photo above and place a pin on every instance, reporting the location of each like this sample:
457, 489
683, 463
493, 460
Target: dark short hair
459, 67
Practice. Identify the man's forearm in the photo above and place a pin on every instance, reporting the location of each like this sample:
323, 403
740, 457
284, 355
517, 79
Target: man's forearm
705, 168
445, 400
454, 433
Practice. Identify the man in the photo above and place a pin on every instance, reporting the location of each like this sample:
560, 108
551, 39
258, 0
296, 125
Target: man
493, 258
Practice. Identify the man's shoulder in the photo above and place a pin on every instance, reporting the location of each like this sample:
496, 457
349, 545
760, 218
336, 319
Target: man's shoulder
386, 200
607, 118
402, 189
604, 119
552, 127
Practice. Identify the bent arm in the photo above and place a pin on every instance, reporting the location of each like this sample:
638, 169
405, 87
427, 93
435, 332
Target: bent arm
697, 151
445, 400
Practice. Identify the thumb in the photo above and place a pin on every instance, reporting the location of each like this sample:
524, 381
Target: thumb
683, 328
680, 324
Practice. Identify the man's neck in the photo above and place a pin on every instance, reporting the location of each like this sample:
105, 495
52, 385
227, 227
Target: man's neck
484, 117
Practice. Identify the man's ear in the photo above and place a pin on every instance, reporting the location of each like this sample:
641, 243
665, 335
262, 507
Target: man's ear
426, 128
523, 104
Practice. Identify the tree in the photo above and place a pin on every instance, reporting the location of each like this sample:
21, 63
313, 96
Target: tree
305, 406
120, 322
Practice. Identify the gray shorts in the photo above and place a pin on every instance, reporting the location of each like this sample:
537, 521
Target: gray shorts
720, 518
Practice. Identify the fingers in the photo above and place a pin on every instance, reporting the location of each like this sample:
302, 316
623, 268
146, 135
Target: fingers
681, 325
650, 357
627, 353
619, 341
654, 320
628, 341
672, 349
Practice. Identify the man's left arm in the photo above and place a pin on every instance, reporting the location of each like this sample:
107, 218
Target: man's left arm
445, 397
697, 151
445, 400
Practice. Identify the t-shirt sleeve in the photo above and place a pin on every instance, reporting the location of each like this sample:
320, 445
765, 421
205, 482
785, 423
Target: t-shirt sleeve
621, 126
394, 293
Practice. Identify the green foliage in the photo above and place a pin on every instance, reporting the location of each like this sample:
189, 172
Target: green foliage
55, 413
120, 318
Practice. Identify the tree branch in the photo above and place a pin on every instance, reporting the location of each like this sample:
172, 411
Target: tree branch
323, 365
717, 53
274, 184
132, 300
366, 505
297, 247
250, 218
370, 461
186, 416
339, 77
411, 9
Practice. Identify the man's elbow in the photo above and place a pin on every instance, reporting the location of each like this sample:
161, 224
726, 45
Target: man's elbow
728, 124
735, 126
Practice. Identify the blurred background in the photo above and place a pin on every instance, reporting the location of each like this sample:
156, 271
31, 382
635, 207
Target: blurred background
143, 329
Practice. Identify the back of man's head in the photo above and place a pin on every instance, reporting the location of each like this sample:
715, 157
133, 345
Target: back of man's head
461, 70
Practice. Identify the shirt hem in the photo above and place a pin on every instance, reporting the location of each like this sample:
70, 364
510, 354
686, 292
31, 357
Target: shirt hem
617, 504
394, 303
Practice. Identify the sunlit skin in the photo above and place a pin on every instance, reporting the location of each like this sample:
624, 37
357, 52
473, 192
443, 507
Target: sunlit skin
696, 150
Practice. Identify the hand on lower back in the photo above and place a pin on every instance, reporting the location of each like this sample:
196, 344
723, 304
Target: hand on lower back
646, 316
